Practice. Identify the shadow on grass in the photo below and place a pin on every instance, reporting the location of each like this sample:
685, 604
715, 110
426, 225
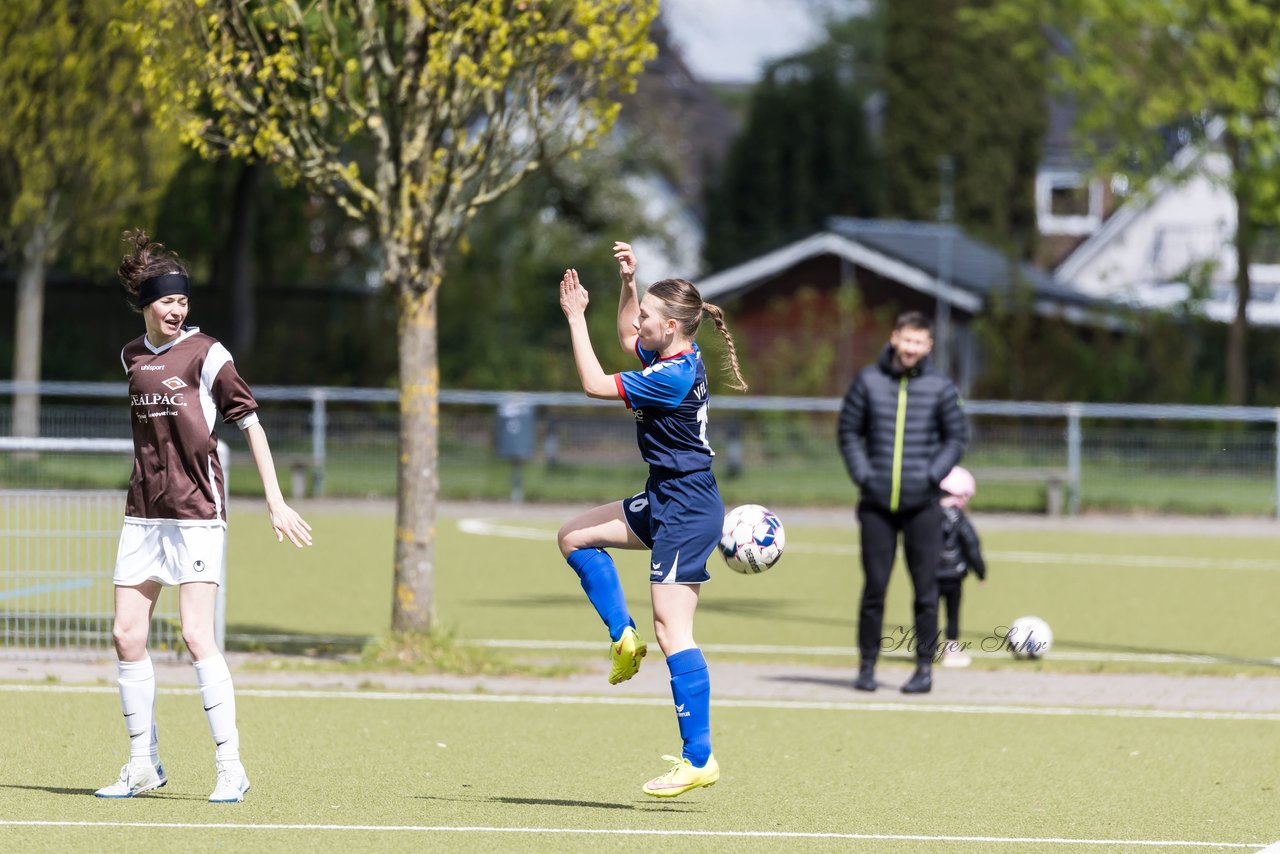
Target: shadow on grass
245, 637
644, 806
560, 802
52, 790
770, 610
89, 793
549, 601
773, 610
755, 608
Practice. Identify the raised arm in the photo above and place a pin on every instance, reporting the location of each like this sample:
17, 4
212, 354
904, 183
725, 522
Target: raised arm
628, 300
573, 302
285, 521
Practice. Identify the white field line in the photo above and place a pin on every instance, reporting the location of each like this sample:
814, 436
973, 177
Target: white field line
785, 705
486, 528
578, 831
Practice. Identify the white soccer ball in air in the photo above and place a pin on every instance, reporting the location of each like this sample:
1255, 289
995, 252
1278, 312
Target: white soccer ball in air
1029, 637
752, 539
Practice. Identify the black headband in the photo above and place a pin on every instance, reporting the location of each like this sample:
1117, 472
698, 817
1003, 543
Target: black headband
162, 286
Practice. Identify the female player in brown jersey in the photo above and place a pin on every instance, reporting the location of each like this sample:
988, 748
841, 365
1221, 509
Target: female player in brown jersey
175, 522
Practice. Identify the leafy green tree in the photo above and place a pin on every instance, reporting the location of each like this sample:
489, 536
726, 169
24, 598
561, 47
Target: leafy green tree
1136, 71
496, 319
954, 93
805, 153
78, 153
251, 231
459, 100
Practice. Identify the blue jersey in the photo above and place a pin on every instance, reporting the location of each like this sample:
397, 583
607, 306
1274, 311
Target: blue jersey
669, 400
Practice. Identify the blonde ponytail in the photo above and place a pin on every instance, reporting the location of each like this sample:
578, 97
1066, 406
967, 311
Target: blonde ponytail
685, 306
731, 352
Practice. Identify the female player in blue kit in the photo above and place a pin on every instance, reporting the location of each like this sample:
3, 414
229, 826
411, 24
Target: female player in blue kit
678, 516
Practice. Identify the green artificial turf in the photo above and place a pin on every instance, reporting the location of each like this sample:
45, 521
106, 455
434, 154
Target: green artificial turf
559, 767
1118, 593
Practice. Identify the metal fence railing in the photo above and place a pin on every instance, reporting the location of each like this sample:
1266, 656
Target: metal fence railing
1027, 455
58, 550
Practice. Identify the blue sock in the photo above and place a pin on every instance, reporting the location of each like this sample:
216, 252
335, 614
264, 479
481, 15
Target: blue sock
600, 580
691, 689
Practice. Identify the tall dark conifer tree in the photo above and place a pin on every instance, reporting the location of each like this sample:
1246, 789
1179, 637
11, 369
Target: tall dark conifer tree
803, 156
950, 92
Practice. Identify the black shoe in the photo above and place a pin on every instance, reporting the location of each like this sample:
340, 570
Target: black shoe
921, 682
866, 680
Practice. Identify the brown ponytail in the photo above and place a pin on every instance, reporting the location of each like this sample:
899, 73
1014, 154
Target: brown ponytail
717, 317
147, 260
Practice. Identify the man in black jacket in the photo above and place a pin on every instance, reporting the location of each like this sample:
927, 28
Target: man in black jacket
901, 430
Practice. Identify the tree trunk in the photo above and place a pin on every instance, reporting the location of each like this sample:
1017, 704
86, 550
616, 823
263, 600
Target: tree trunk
29, 330
239, 253
1238, 336
413, 605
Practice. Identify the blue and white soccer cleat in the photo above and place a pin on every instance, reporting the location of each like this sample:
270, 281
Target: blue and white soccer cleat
232, 783
137, 776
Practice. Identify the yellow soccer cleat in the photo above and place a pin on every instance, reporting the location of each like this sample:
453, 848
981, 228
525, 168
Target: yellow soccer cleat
682, 778
626, 653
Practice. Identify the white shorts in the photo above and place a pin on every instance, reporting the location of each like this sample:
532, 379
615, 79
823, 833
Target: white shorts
169, 553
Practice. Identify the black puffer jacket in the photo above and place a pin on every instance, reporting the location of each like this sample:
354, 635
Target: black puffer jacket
901, 433
961, 548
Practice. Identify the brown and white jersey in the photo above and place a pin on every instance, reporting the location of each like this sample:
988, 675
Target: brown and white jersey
176, 393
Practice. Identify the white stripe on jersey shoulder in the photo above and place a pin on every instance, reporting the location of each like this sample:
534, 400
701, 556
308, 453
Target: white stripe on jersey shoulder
214, 361
654, 368
123, 363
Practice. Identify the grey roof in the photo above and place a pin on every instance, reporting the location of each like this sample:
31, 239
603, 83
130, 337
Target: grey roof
908, 253
975, 266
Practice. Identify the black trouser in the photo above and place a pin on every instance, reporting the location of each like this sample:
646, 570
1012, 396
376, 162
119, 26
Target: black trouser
949, 593
922, 542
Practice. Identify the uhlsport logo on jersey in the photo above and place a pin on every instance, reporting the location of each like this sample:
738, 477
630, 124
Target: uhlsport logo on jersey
173, 383
198, 566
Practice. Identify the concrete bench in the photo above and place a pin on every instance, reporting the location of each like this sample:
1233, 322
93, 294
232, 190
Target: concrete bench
298, 466
300, 472
1055, 482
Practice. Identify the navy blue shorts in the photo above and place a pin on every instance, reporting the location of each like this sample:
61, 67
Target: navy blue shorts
679, 518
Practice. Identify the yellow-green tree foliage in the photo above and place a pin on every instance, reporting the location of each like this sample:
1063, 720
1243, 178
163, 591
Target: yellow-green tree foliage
78, 153
455, 101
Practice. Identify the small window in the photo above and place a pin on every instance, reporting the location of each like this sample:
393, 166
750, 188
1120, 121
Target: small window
1069, 201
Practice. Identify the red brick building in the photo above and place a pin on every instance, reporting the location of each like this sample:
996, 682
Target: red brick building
807, 315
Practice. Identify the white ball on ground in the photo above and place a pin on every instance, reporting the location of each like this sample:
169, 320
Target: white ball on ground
1029, 637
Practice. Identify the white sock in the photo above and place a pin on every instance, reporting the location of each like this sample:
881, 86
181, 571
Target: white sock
218, 697
137, 682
